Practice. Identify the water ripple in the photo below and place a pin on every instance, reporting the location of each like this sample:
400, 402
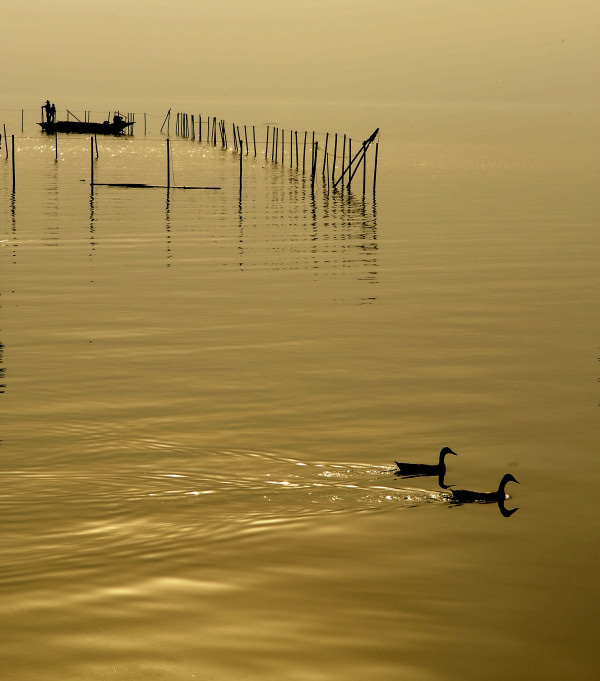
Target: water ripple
139, 516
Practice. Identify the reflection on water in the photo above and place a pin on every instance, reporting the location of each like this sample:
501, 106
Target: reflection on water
198, 402
282, 224
94, 516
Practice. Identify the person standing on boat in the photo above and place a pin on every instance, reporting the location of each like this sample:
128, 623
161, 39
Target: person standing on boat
48, 110
52, 113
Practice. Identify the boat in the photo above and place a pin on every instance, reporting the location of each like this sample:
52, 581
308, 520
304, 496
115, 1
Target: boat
86, 128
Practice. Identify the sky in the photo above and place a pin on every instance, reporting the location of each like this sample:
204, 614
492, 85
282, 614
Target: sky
458, 51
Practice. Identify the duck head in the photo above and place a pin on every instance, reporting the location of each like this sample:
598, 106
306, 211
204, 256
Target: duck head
445, 450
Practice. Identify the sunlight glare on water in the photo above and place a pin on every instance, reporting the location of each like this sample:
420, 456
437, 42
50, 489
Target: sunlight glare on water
204, 396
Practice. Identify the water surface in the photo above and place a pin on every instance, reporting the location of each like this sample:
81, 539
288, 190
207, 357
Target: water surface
204, 397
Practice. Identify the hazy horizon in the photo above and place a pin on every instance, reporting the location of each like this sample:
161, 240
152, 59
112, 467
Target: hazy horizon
432, 51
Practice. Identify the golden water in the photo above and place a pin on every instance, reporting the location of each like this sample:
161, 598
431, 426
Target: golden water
204, 399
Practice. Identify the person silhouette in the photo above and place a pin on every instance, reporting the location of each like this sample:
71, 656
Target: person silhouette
53, 113
48, 110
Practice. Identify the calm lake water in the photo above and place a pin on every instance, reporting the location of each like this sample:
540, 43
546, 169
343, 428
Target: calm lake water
203, 398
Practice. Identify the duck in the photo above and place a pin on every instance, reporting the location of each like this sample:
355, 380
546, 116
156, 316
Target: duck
415, 469
467, 496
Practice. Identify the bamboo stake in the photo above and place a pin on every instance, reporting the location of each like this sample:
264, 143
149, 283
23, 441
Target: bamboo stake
291, 149
145, 129
343, 161
314, 167
199, 128
92, 163
168, 164
5, 139
282, 146
296, 135
96, 144
325, 152
13, 162
163, 125
375, 168
254, 139
304, 153
56, 147
350, 160
267, 145
241, 161
334, 159
246, 138
364, 168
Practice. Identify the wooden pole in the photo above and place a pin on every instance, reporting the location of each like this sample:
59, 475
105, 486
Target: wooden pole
145, 128
267, 144
334, 159
96, 144
343, 160
241, 161
291, 148
282, 146
364, 168
22, 117
166, 118
13, 162
325, 152
375, 167
246, 138
92, 163
296, 135
361, 152
254, 139
5, 139
304, 153
168, 164
56, 147
350, 160
314, 166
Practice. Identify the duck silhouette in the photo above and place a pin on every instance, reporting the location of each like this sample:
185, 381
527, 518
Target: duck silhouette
466, 496
411, 470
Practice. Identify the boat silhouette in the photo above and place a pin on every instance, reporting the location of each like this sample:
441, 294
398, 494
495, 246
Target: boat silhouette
86, 127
